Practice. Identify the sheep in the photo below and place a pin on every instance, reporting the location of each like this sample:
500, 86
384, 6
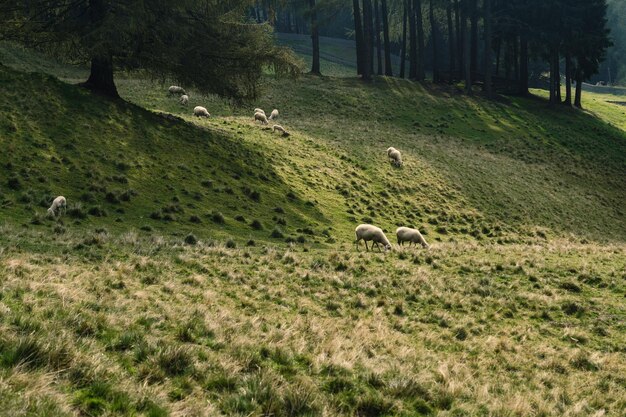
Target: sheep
200, 111
57, 204
184, 99
261, 117
406, 234
273, 115
280, 129
367, 232
174, 89
257, 110
394, 156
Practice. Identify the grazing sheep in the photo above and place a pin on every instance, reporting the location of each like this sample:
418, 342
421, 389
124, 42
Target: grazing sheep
274, 114
176, 90
257, 110
261, 117
367, 232
57, 204
395, 156
280, 129
200, 111
406, 234
184, 99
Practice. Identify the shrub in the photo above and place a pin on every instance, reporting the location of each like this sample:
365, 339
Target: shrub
190, 239
256, 225
217, 217
277, 233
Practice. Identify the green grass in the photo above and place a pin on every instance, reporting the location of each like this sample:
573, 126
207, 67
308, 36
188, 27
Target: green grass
206, 267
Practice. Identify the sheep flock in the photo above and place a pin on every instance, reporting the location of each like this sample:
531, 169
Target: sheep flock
364, 232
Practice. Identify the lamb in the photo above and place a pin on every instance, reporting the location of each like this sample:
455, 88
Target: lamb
367, 232
57, 204
257, 110
174, 89
261, 117
200, 111
274, 114
395, 156
406, 234
280, 129
184, 99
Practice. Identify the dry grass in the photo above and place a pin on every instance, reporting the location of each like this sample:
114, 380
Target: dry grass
462, 329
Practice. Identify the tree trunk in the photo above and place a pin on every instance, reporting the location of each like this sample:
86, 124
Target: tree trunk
552, 76
459, 38
568, 80
579, 87
385, 13
451, 42
498, 53
379, 49
358, 37
515, 58
488, 50
405, 17
557, 77
474, 36
523, 65
257, 11
433, 27
467, 70
368, 35
466, 50
413, 41
101, 76
315, 39
419, 22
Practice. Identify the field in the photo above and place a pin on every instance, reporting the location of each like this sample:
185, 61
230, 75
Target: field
207, 267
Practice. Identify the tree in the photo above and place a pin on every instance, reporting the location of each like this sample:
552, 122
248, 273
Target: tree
433, 28
201, 43
385, 14
379, 57
368, 35
419, 22
451, 39
405, 18
359, 38
488, 49
315, 39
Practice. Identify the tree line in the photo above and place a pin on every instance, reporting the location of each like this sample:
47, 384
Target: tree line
497, 44
213, 46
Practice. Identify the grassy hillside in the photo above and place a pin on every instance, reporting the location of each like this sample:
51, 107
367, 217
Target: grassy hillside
517, 309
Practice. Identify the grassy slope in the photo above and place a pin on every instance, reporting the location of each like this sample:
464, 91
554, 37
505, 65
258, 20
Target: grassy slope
130, 321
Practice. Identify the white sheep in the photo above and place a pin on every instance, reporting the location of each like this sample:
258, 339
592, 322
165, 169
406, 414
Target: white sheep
184, 99
174, 89
394, 156
261, 117
280, 129
257, 110
274, 114
406, 234
200, 111
367, 232
57, 204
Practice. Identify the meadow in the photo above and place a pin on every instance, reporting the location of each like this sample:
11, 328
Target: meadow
207, 267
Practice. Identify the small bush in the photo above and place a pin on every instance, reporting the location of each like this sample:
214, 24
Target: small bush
277, 233
14, 183
217, 217
231, 244
190, 239
240, 218
195, 219
97, 211
256, 225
